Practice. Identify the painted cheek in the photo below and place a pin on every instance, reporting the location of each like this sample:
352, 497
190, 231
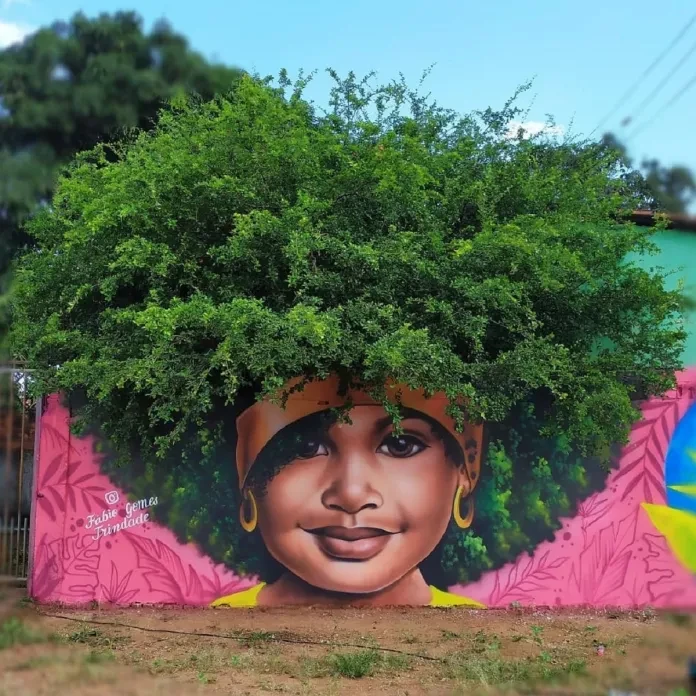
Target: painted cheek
428, 472
278, 512
290, 497
293, 485
426, 497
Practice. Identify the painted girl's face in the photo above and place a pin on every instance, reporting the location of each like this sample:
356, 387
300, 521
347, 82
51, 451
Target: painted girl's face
359, 506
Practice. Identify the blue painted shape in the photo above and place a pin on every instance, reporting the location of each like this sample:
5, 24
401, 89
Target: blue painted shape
680, 464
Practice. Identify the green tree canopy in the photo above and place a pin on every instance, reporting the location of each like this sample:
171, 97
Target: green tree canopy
671, 189
77, 83
674, 187
253, 238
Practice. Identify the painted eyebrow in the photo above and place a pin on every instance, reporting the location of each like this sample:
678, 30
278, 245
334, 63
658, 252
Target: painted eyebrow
406, 414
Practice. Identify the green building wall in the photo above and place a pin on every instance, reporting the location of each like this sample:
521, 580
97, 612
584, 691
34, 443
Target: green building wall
678, 256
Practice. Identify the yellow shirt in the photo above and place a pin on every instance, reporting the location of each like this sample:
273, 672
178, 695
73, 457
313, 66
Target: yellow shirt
438, 598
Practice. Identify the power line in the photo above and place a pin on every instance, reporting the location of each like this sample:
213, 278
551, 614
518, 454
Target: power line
664, 108
646, 72
660, 85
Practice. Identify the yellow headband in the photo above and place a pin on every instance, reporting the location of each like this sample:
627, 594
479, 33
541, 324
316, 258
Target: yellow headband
259, 423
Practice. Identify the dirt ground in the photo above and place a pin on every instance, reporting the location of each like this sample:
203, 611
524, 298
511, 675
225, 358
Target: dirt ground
46, 650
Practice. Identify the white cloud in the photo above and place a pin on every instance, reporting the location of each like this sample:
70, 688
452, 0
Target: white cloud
11, 33
531, 128
8, 3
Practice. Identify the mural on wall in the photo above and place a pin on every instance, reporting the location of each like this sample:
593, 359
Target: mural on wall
675, 518
307, 506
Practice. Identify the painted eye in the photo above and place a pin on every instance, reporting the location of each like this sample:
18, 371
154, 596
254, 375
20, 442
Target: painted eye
401, 446
307, 449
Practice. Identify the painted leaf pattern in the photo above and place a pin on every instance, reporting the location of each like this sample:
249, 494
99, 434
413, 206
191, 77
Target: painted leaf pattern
117, 591
642, 463
525, 578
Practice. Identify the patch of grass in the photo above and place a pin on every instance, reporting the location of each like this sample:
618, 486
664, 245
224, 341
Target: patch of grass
236, 661
484, 642
274, 662
194, 661
86, 635
217, 659
269, 659
362, 663
449, 635
161, 665
14, 632
487, 670
369, 642
545, 657
272, 686
314, 667
537, 633
204, 678
396, 663
99, 657
250, 639
355, 665
553, 670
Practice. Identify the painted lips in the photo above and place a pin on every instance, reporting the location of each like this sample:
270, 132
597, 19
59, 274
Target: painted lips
351, 543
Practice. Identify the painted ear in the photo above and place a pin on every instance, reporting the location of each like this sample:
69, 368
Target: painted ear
473, 446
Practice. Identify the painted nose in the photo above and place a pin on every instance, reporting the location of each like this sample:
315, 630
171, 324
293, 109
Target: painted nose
352, 486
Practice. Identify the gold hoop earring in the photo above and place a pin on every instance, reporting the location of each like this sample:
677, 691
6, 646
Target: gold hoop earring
248, 525
463, 521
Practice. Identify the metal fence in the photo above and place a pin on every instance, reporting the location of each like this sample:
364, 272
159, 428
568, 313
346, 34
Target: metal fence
17, 444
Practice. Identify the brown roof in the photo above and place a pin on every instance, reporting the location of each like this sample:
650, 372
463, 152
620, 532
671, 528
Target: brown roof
678, 221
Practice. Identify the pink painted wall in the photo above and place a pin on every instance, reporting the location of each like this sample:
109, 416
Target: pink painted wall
143, 564
610, 553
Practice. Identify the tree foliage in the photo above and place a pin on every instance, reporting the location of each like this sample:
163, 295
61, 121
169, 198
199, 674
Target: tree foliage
670, 189
244, 241
74, 84
674, 187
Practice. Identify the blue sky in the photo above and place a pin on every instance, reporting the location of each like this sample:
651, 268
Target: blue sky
583, 56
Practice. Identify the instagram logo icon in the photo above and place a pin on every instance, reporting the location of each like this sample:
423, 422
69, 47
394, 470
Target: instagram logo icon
112, 497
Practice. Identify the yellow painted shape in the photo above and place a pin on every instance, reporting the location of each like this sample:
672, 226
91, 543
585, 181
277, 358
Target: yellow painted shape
439, 598
687, 490
679, 529
245, 598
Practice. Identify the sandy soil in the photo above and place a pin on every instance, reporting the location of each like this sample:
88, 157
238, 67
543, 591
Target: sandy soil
48, 650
